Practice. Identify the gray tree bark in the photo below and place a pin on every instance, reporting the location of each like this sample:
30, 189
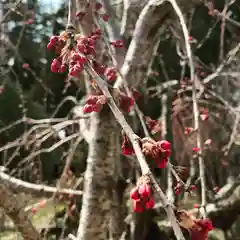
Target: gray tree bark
99, 179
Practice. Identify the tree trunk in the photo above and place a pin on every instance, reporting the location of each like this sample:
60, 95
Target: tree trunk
99, 179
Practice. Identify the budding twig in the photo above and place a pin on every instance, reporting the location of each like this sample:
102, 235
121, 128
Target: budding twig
194, 99
140, 157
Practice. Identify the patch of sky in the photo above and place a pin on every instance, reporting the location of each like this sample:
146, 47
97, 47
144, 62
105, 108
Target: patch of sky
49, 6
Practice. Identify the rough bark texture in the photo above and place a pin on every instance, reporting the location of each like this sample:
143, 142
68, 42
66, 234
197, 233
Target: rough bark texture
12, 207
119, 210
98, 184
151, 21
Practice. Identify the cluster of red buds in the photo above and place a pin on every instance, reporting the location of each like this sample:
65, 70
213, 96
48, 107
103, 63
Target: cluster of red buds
56, 44
94, 103
109, 72
100, 10
117, 44
179, 188
153, 125
57, 66
126, 103
86, 45
158, 151
127, 148
198, 228
76, 64
196, 150
201, 228
73, 56
142, 197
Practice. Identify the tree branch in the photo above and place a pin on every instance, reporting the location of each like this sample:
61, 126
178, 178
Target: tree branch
141, 158
194, 99
36, 189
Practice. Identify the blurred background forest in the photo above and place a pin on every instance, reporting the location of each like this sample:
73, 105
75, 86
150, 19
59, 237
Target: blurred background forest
36, 149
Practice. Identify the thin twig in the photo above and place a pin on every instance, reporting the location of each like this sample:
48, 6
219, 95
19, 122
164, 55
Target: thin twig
126, 5
222, 33
13, 9
230, 56
227, 148
45, 150
36, 189
195, 103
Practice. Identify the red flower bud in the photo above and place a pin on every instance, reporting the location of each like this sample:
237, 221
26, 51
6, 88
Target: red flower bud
55, 66
195, 205
34, 210
144, 190
162, 163
42, 203
134, 194
87, 108
165, 145
105, 17
97, 107
25, 65
196, 149
92, 99
188, 130
150, 204
193, 187
138, 206
127, 148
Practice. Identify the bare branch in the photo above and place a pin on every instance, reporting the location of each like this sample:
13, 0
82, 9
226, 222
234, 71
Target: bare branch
126, 5
46, 150
230, 56
34, 189
139, 41
227, 148
83, 124
13, 9
195, 103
